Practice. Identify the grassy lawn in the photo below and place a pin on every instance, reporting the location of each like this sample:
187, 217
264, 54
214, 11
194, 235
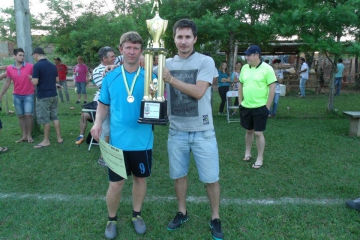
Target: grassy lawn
311, 166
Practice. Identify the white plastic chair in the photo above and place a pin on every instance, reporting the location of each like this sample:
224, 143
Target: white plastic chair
230, 97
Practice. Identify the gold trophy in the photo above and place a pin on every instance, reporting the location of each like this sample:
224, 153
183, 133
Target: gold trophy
154, 104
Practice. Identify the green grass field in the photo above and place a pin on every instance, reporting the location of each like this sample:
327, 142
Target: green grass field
311, 166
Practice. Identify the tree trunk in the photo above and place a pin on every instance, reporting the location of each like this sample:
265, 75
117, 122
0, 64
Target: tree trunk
231, 52
331, 83
357, 76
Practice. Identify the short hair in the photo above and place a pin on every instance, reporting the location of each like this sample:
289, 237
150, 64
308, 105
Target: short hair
267, 60
17, 50
302, 59
132, 37
185, 23
340, 60
104, 51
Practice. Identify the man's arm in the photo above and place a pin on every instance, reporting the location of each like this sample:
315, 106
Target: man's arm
101, 113
5, 87
240, 93
34, 81
2, 76
196, 91
271, 95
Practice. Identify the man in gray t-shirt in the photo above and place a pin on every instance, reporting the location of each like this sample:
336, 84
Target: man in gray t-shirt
189, 76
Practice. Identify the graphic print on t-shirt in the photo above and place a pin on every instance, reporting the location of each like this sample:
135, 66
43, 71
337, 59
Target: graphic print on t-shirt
183, 105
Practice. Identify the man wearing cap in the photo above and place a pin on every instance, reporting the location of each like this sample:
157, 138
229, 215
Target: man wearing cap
23, 94
62, 71
81, 79
256, 93
304, 76
45, 77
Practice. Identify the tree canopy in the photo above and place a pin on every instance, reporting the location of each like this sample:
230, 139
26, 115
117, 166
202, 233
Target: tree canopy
77, 29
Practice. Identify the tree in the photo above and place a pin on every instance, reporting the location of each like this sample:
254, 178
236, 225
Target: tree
321, 25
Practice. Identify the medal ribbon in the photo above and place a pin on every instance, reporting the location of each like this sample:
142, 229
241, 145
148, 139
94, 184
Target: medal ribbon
125, 80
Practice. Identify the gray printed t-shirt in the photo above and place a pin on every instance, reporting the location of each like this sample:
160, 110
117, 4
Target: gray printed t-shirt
186, 113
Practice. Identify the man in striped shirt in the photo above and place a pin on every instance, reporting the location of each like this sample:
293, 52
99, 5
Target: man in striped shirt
107, 57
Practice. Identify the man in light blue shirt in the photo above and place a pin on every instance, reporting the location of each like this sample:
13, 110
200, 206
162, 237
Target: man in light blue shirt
338, 76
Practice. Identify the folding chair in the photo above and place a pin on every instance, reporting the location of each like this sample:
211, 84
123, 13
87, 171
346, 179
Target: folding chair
230, 96
91, 109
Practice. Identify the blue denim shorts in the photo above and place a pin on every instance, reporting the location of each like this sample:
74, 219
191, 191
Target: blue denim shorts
204, 147
80, 87
24, 104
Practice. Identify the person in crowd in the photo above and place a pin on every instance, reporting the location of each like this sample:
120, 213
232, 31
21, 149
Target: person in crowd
107, 57
256, 92
235, 80
45, 78
189, 76
223, 85
2, 149
304, 76
23, 95
279, 73
339, 75
62, 72
122, 91
81, 74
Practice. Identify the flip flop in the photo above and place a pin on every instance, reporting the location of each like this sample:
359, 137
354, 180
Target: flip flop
40, 146
21, 140
61, 141
3, 149
246, 159
30, 141
255, 166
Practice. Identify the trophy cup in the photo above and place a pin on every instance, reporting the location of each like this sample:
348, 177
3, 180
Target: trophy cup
154, 104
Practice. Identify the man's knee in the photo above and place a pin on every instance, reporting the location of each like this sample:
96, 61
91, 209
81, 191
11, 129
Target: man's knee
116, 186
259, 134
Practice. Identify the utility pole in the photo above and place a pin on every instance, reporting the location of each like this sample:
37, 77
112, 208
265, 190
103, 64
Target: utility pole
23, 29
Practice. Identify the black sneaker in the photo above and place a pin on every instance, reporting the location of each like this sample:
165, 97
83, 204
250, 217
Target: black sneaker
353, 204
179, 219
216, 231
77, 102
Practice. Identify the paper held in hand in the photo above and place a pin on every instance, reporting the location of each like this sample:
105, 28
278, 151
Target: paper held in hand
114, 158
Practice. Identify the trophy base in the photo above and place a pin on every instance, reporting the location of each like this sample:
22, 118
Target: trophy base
153, 112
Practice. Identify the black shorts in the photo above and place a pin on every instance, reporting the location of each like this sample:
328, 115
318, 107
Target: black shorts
254, 118
136, 162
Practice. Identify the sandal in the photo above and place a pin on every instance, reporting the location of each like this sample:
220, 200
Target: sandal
3, 149
256, 166
247, 158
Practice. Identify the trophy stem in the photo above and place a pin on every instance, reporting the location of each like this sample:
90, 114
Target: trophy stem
148, 72
161, 66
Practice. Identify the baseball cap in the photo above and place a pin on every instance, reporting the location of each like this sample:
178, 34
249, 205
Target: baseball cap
57, 58
38, 50
253, 49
